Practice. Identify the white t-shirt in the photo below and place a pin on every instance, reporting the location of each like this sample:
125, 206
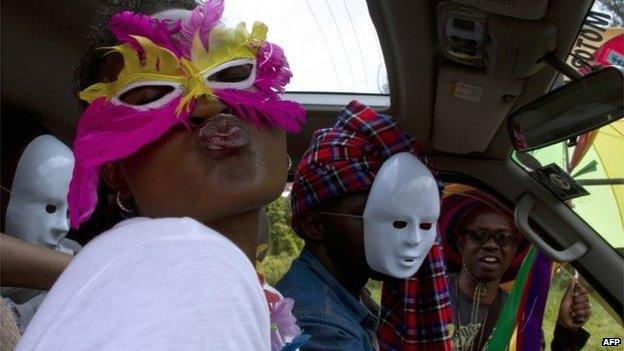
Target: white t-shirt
154, 284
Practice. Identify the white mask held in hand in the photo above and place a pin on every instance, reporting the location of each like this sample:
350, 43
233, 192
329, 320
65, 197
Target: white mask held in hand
400, 216
37, 210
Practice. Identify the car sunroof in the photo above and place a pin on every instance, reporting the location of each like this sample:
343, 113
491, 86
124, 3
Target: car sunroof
332, 46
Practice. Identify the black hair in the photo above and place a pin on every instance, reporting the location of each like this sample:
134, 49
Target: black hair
97, 35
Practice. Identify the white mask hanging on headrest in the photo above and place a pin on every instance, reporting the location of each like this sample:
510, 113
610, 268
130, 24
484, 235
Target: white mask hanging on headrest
400, 216
37, 210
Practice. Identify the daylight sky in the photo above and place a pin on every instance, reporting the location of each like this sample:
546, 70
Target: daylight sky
331, 45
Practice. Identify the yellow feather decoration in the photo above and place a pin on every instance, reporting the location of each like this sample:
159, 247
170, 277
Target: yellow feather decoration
160, 64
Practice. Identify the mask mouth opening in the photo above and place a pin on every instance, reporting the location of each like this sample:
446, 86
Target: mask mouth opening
409, 261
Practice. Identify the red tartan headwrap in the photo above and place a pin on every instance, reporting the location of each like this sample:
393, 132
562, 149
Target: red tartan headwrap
346, 157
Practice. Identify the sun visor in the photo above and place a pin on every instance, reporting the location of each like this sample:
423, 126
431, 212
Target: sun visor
523, 9
514, 48
469, 108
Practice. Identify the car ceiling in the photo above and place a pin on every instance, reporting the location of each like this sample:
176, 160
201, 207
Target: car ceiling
40, 47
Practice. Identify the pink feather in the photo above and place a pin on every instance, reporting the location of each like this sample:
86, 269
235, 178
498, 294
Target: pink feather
82, 197
202, 19
264, 108
108, 132
126, 24
273, 69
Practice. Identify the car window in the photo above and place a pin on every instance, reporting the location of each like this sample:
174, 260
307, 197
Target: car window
601, 324
332, 46
595, 162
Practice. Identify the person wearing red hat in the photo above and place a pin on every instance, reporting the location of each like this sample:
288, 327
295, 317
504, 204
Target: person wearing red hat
484, 249
366, 203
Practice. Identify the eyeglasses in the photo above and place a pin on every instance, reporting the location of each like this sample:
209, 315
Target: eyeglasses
481, 237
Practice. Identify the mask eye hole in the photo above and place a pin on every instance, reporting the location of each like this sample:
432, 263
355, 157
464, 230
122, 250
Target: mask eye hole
399, 224
425, 226
145, 94
233, 74
50, 208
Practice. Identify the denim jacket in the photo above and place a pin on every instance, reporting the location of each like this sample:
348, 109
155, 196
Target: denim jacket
334, 318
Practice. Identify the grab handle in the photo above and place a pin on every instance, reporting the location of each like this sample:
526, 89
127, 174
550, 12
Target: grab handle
521, 216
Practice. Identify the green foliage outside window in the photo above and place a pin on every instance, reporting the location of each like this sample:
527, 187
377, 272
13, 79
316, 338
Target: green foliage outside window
284, 244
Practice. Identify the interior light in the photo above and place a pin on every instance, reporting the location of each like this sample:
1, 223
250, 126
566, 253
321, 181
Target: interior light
461, 31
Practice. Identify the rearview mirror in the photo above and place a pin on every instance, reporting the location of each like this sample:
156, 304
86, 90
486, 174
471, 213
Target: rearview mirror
576, 108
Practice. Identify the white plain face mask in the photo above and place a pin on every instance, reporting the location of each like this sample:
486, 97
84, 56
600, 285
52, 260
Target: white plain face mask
37, 210
400, 216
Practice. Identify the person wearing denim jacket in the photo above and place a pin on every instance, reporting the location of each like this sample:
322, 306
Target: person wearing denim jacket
329, 196
335, 318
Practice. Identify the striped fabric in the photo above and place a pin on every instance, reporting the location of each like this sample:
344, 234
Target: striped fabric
415, 313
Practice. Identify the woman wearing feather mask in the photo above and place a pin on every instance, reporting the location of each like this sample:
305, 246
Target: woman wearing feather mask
184, 124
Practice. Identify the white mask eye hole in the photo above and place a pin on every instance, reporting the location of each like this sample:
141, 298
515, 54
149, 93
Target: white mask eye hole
235, 74
145, 94
425, 226
399, 224
50, 208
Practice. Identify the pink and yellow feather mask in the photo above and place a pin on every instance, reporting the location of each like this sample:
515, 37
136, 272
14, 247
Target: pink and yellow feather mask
187, 59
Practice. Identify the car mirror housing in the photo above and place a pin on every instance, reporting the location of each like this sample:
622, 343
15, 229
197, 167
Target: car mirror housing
583, 105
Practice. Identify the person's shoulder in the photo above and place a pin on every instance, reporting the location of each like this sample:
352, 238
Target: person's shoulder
145, 240
134, 233
317, 310
178, 263
313, 300
300, 283
142, 228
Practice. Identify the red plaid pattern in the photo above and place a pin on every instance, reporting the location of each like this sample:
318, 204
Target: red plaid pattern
416, 312
346, 158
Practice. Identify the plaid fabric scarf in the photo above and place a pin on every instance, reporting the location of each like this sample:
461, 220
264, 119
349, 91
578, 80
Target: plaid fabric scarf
416, 312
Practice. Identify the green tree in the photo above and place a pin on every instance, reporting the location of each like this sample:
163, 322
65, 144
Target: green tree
282, 239
284, 244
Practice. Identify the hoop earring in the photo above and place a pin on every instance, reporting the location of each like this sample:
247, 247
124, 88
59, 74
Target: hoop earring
121, 205
289, 161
